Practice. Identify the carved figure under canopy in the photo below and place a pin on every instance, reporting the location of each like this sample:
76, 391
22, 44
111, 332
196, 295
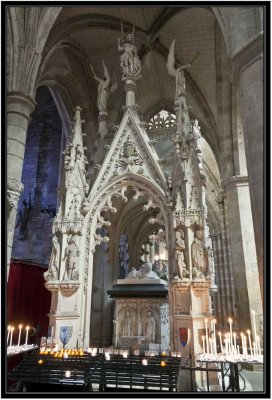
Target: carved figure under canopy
71, 255
150, 328
177, 72
105, 87
199, 263
129, 60
179, 252
52, 274
127, 325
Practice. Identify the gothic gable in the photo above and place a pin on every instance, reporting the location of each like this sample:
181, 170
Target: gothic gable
131, 153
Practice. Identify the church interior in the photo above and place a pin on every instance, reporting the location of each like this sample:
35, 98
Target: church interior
135, 206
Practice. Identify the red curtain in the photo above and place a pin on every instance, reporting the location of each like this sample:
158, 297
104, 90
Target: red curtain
28, 301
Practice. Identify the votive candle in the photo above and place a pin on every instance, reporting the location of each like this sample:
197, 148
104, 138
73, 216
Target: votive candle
27, 329
206, 328
220, 340
203, 343
20, 330
11, 333
249, 339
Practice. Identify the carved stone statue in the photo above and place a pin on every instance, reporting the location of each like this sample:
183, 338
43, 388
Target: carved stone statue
71, 255
177, 72
179, 253
150, 328
123, 255
199, 263
52, 274
104, 88
23, 218
130, 62
145, 272
127, 325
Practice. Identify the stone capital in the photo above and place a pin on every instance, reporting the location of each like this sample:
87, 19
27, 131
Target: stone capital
237, 180
14, 186
20, 103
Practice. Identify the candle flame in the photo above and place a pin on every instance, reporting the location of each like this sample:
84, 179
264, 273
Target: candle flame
248, 332
234, 334
20, 326
214, 320
12, 328
9, 327
219, 333
206, 320
230, 320
27, 327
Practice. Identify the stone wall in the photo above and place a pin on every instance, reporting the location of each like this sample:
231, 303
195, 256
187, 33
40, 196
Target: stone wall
40, 178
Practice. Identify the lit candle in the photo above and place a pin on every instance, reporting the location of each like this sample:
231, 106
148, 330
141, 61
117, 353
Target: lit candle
67, 374
125, 355
242, 340
9, 329
234, 337
211, 347
65, 355
163, 363
89, 350
254, 348
144, 362
226, 346
254, 326
245, 343
230, 322
215, 350
238, 350
220, 339
27, 329
250, 346
107, 356
11, 333
207, 341
20, 329
203, 343
52, 330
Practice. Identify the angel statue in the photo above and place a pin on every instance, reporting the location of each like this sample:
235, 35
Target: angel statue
130, 62
177, 72
105, 87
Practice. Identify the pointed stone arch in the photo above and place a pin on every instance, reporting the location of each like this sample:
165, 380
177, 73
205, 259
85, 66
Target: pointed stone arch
94, 220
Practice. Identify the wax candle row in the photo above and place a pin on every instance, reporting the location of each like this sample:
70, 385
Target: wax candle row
10, 335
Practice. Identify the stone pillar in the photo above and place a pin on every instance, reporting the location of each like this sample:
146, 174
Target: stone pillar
130, 89
19, 108
243, 252
247, 76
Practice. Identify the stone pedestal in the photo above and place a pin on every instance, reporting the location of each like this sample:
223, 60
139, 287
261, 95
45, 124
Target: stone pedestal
64, 299
138, 303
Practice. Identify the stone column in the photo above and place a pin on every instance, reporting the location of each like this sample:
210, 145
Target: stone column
19, 108
248, 77
243, 252
130, 89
